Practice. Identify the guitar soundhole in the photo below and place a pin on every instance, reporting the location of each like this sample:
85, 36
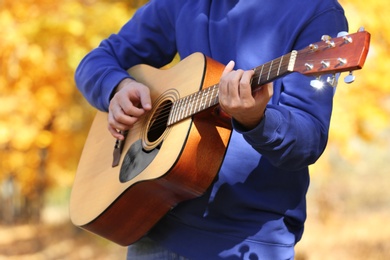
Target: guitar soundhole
159, 121
142, 152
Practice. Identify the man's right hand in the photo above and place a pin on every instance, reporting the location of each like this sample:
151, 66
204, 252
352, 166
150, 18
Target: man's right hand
130, 101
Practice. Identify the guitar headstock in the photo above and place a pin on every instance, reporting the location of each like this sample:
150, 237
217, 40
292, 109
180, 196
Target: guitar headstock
330, 56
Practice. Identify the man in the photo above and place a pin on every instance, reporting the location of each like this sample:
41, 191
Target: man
256, 207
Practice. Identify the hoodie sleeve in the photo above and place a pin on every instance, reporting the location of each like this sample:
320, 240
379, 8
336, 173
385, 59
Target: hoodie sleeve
147, 38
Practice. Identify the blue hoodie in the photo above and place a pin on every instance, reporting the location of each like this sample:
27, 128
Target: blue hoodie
256, 206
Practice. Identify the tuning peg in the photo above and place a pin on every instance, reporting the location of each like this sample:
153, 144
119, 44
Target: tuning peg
325, 64
316, 83
342, 34
327, 40
345, 35
313, 47
349, 78
361, 29
309, 66
342, 61
332, 80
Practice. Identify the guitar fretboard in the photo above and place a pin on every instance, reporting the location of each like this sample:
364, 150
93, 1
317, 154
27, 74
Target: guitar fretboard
208, 97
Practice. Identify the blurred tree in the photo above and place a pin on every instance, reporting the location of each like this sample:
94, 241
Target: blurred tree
43, 118
361, 114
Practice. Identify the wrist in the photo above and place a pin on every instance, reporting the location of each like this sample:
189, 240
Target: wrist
248, 125
120, 85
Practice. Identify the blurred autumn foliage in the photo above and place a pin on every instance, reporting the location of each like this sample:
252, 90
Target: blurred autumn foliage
44, 120
362, 110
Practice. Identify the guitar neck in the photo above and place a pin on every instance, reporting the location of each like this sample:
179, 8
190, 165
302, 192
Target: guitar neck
208, 97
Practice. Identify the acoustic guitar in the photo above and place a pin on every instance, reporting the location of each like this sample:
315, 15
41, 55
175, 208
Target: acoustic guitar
173, 153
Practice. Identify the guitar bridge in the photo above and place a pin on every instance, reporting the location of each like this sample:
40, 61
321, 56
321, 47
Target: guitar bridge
118, 148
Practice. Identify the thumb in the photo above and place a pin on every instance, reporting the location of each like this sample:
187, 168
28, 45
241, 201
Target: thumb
145, 99
229, 67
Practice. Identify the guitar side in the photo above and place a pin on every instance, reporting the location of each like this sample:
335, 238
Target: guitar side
187, 162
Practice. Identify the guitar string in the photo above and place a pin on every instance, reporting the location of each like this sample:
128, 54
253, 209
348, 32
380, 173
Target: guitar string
195, 98
282, 62
163, 114
276, 71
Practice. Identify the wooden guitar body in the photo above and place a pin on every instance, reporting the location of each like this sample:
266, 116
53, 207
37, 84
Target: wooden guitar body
187, 160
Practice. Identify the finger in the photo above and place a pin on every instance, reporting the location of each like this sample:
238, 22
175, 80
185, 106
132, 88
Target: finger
117, 115
115, 133
229, 88
137, 103
145, 99
228, 68
266, 91
245, 89
269, 90
121, 121
233, 84
131, 110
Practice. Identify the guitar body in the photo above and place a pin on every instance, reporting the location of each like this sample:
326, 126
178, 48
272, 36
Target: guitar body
178, 162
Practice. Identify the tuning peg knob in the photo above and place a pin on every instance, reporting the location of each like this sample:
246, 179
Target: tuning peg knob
313, 47
316, 83
325, 64
332, 80
326, 38
342, 34
342, 61
309, 66
349, 78
345, 35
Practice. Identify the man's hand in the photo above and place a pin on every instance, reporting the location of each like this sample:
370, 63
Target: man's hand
237, 99
130, 101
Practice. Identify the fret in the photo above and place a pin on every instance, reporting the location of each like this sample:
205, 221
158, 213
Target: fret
213, 96
180, 115
260, 75
189, 106
207, 101
280, 64
206, 97
177, 110
202, 96
216, 95
269, 70
191, 101
196, 97
173, 112
184, 108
